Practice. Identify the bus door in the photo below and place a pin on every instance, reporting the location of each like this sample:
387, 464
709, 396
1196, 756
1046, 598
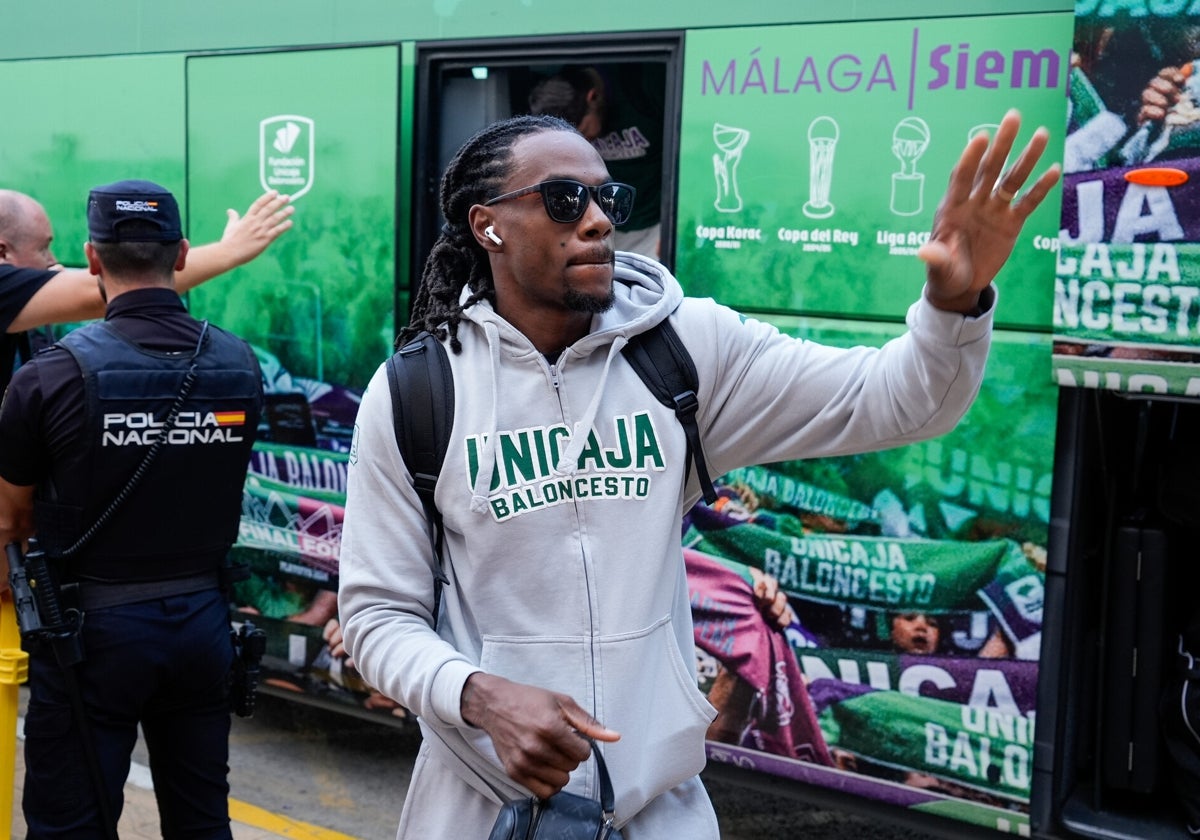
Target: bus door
320, 126
463, 87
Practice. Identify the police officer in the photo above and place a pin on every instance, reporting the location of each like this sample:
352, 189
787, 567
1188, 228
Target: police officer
125, 448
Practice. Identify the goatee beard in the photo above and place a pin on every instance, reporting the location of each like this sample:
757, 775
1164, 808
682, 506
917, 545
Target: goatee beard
591, 304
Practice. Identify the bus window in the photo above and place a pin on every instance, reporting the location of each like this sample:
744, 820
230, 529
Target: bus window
627, 110
619, 108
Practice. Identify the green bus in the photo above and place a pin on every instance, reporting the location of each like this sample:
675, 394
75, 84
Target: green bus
1039, 548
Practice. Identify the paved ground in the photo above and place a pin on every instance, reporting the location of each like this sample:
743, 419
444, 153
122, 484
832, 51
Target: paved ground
307, 774
139, 820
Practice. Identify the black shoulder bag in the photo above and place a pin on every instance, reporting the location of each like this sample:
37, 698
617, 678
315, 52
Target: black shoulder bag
564, 816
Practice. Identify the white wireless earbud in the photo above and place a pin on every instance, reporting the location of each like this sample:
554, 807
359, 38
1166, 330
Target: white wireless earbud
490, 233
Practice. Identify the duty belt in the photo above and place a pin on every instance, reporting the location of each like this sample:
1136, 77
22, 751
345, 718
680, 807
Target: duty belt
98, 595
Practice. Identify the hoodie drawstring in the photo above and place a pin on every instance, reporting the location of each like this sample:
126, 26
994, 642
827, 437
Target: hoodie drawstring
487, 460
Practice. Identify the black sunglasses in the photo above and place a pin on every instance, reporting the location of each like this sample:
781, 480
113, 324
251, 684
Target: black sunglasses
566, 200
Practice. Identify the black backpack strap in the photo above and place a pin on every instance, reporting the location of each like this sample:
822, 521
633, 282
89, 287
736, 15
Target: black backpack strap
664, 364
422, 387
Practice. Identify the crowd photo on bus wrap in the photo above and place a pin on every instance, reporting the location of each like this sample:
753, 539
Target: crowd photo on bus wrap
543, 642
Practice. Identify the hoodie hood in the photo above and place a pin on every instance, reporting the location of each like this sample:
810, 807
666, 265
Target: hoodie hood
644, 293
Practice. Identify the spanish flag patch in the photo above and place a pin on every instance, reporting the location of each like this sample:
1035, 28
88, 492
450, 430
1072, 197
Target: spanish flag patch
230, 418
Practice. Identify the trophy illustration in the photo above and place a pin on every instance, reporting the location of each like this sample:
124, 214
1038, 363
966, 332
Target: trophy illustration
730, 141
822, 141
910, 139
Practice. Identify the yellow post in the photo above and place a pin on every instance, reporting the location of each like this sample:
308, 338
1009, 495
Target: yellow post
14, 670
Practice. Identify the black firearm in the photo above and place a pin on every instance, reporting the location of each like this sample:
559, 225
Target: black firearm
249, 645
40, 615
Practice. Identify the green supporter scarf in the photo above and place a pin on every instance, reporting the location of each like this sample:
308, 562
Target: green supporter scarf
873, 572
983, 749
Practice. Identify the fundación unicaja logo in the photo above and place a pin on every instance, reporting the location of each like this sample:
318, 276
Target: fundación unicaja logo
286, 144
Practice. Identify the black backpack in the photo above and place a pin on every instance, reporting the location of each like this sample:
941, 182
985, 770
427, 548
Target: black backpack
422, 387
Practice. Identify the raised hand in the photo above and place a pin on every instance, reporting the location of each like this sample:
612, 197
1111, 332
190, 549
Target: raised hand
1162, 93
982, 213
248, 236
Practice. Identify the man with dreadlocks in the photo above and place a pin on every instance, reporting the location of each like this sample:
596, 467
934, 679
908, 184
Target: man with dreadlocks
566, 611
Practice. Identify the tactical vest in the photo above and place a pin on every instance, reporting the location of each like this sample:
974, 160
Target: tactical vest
182, 515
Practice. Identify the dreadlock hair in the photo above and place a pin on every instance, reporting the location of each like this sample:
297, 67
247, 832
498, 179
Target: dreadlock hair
474, 175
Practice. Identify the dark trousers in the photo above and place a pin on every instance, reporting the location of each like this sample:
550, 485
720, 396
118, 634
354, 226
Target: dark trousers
163, 664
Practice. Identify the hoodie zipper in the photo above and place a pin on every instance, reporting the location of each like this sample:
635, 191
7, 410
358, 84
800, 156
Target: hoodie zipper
554, 381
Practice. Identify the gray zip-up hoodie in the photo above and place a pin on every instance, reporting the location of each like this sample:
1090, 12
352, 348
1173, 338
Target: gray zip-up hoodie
562, 492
